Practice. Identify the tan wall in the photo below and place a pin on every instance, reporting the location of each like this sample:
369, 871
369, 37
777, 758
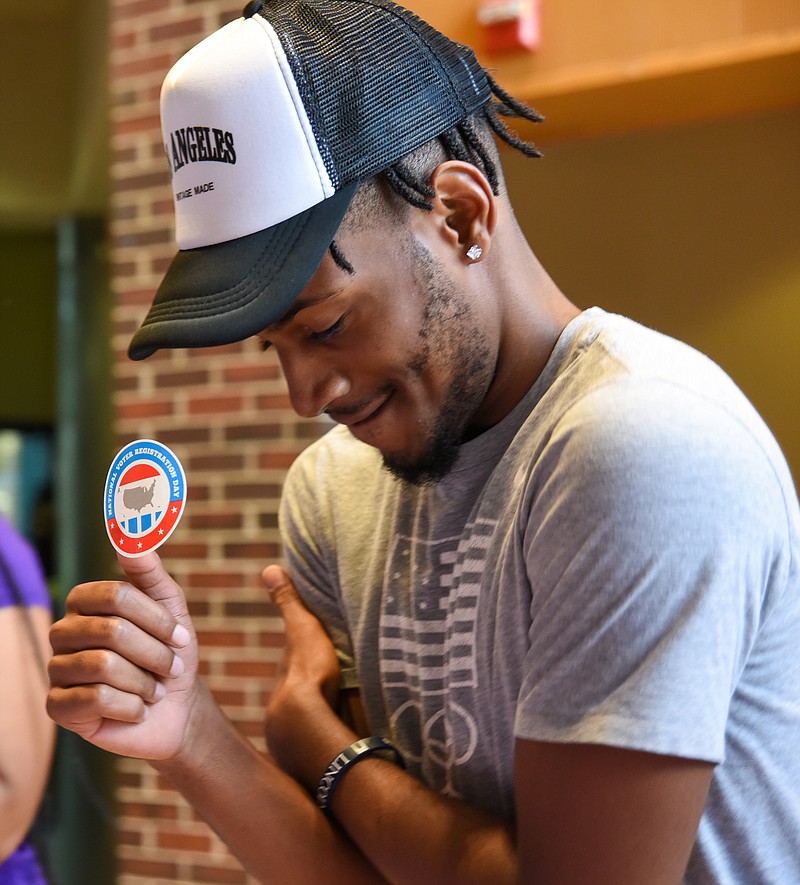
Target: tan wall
694, 230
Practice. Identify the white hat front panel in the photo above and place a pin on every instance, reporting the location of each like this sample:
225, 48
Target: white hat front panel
239, 143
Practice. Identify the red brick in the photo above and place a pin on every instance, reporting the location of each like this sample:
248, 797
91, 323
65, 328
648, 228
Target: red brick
276, 460
183, 841
145, 409
264, 609
259, 552
192, 27
212, 521
274, 401
132, 126
216, 462
229, 638
140, 182
218, 875
147, 810
181, 379
124, 9
151, 869
214, 405
265, 371
256, 669
128, 837
250, 490
218, 580
241, 432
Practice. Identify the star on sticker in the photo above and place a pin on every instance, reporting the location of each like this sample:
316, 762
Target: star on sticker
113, 526
139, 545
121, 541
161, 531
174, 509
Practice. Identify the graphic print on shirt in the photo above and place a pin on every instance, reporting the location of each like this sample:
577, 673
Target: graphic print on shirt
427, 648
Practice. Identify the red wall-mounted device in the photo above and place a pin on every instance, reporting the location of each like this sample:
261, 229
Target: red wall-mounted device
510, 25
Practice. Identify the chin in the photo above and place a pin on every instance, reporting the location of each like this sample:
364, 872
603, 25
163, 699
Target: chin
425, 469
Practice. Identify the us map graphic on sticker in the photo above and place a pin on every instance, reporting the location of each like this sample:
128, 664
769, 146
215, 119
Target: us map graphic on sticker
145, 496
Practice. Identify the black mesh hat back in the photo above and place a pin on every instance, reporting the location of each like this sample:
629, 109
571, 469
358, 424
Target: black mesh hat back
376, 80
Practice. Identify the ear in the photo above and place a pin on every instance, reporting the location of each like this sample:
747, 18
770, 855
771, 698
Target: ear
464, 203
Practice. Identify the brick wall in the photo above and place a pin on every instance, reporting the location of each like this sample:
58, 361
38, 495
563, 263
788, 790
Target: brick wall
225, 413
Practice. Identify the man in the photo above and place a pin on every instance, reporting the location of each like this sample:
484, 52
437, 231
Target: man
555, 553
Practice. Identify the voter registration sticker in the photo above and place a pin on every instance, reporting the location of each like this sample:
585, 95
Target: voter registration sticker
144, 498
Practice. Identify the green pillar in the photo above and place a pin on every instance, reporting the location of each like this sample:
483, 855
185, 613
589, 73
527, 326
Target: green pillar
82, 836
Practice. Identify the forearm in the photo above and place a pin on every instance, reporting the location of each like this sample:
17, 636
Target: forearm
407, 831
266, 818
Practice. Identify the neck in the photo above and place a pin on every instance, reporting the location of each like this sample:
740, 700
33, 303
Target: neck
533, 313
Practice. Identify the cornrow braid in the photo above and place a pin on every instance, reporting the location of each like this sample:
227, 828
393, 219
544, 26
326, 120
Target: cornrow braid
411, 192
469, 141
407, 176
470, 135
508, 106
463, 142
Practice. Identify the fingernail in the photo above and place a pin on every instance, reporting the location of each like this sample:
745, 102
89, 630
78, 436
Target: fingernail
159, 691
180, 636
273, 577
177, 667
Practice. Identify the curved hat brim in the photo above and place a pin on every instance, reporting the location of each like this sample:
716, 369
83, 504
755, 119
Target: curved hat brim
230, 291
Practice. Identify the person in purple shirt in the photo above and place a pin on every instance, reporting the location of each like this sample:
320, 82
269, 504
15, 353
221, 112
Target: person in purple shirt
26, 733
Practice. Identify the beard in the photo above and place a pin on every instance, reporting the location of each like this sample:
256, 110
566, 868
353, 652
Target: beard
449, 337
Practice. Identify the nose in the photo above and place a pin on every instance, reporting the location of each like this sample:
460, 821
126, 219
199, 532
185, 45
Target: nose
313, 385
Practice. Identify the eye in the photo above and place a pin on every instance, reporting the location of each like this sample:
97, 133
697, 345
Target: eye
330, 332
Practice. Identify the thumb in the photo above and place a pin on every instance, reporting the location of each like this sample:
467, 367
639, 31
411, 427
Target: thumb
149, 575
279, 585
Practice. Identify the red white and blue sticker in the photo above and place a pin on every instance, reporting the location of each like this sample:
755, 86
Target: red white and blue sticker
144, 498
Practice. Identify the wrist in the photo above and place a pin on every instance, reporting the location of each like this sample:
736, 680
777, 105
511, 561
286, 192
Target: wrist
204, 721
303, 733
343, 762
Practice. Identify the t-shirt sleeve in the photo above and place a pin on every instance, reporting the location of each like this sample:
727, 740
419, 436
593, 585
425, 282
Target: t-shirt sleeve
653, 523
307, 531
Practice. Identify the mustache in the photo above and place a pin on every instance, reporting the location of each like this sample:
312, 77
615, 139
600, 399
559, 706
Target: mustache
345, 411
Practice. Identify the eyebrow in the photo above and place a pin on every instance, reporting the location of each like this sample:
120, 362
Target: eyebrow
297, 307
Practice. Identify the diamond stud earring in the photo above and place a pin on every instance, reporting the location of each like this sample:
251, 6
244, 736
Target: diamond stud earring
474, 252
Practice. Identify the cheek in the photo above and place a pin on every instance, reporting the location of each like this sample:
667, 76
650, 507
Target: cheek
388, 346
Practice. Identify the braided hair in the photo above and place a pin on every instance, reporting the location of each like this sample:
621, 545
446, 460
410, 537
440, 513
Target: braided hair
469, 141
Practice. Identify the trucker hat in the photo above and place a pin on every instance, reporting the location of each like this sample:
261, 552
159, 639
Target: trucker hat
268, 125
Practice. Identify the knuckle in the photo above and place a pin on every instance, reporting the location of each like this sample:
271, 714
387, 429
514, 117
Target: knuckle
113, 630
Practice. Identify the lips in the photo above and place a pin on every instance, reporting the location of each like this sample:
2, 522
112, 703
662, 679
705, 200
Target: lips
359, 416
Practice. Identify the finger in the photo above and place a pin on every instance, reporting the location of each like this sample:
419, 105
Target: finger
303, 629
84, 706
280, 586
76, 633
119, 598
123, 600
98, 666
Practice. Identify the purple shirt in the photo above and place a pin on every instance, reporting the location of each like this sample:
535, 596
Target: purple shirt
19, 558
22, 562
22, 868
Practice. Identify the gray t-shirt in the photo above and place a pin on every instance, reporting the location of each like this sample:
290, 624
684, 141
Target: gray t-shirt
616, 562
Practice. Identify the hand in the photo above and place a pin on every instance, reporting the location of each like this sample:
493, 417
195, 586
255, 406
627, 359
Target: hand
308, 680
125, 662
